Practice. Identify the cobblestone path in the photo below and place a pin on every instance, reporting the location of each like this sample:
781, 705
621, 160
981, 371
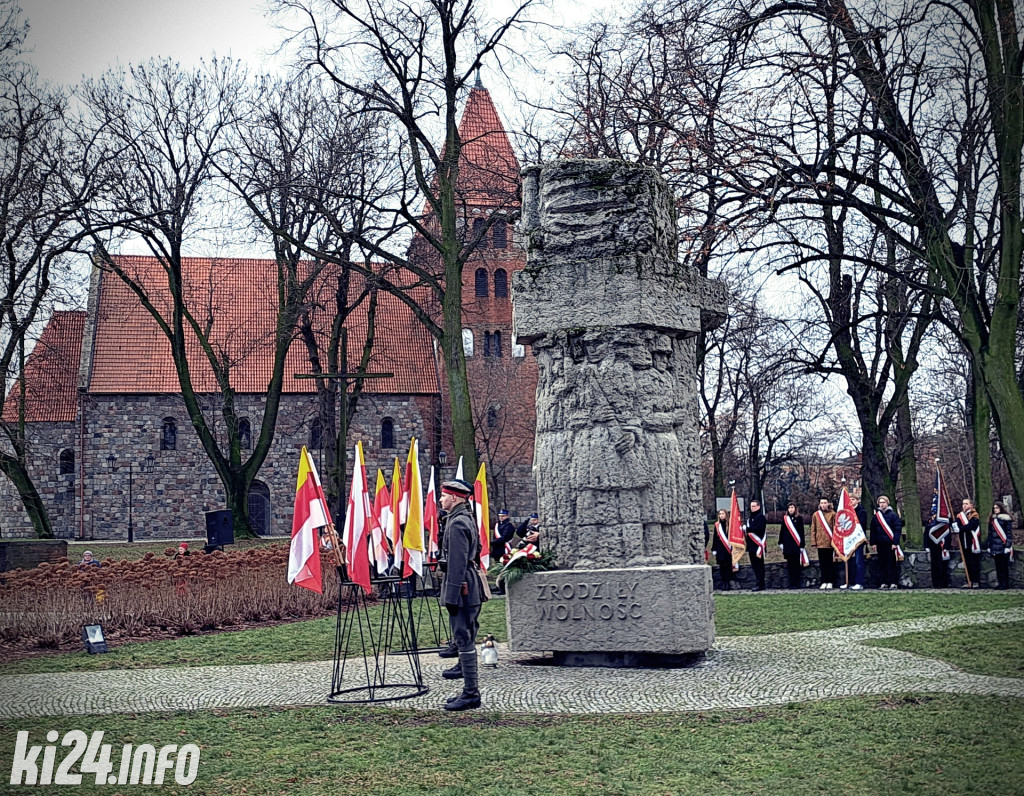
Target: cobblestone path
740, 671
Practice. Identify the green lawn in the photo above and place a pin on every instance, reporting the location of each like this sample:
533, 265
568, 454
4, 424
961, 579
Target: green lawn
909, 745
996, 650
736, 614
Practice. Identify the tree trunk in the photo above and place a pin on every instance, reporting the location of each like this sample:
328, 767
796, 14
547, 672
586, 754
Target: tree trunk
236, 490
912, 524
979, 415
34, 506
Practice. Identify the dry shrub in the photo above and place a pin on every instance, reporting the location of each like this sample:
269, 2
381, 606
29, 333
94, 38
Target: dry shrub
132, 598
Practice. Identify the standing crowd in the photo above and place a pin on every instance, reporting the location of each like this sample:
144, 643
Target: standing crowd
842, 567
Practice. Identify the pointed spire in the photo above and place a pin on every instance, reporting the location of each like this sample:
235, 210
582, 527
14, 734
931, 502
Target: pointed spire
478, 84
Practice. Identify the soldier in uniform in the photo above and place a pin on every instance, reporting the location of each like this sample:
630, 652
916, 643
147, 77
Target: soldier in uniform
461, 589
821, 534
757, 531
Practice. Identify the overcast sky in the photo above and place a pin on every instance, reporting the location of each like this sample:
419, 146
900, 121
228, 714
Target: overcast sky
72, 38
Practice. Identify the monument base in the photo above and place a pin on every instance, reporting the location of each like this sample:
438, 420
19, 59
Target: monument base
636, 616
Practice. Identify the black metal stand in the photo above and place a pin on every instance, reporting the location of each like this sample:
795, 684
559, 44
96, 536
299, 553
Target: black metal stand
377, 676
431, 618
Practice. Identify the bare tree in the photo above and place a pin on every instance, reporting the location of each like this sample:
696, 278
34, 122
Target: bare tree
42, 186
415, 64
941, 84
311, 170
159, 131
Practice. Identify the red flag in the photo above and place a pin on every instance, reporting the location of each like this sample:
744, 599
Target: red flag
737, 538
311, 513
380, 514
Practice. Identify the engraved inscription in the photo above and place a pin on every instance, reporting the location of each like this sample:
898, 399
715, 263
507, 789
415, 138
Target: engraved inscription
589, 601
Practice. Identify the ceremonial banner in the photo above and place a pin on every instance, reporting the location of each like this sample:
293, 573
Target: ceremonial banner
482, 509
737, 536
848, 534
357, 525
942, 508
311, 513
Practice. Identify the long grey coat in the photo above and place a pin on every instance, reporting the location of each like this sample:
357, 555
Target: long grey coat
461, 549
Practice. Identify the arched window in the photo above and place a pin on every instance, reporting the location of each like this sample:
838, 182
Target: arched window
387, 433
169, 434
67, 462
496, 344
492, 416
501, 283
500, 231
481, 282
467, 342
259, 507
244, 433
478, 228
316, 434
487, 344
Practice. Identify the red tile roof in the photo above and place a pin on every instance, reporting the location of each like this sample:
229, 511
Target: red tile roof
51, 372
488, 168
239, 297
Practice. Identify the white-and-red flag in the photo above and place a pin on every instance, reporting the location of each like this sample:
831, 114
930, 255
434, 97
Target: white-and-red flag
482, 510
356, 535
847, 534
737, 536
380, 514
430, 520
412, 536
311, 513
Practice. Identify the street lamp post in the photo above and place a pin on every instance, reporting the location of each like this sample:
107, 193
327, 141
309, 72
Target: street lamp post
146, 467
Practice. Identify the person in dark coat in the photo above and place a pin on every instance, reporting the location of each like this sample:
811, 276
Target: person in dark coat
1000, 543
886, 527
968, 528
936, 542
791, 542
529, 531
722, 549
757, 532
504, 530
461, 589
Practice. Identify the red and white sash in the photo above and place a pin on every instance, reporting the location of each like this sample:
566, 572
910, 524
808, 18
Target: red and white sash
824, 523
791, 527
723, 535
758, 542
885, 526
1002, 536
964, 521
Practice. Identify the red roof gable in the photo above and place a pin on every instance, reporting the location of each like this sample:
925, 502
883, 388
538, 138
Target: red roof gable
51, 372
488, 168
238, 298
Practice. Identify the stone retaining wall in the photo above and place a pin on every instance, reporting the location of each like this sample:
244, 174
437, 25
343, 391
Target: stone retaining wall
25, 554
914, 573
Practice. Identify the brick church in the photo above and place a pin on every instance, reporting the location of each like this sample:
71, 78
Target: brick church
110, 440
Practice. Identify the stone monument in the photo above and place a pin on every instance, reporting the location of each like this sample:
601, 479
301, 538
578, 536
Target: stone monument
612, 317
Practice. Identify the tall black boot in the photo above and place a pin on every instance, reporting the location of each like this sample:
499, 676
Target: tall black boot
470, 696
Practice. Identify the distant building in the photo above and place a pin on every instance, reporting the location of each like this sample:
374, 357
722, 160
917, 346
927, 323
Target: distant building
102, 391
